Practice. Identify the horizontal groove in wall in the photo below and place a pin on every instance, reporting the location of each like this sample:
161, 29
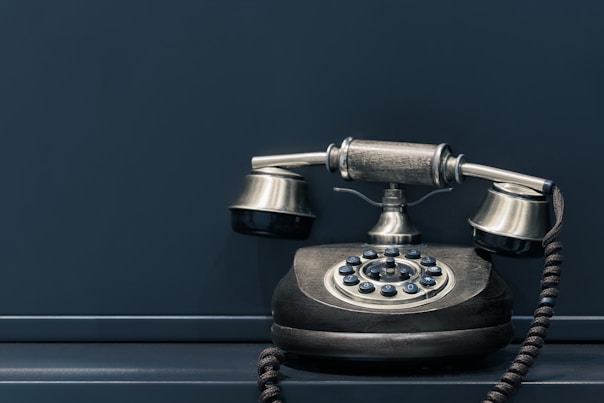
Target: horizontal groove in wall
226, 328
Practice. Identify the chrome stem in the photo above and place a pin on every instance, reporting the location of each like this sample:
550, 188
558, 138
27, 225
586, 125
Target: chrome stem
290, 160
501, 175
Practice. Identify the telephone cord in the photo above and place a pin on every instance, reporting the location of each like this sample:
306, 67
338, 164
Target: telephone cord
271, 358
535, 338
269, 361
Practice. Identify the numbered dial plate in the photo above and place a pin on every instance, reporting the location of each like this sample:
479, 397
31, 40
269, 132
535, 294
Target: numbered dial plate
390, 278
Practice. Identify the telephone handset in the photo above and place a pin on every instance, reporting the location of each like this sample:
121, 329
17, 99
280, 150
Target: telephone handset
395, 297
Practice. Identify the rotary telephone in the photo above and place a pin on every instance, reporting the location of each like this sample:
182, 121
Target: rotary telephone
394, 297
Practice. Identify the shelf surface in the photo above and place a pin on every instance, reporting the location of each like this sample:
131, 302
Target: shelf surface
220, 372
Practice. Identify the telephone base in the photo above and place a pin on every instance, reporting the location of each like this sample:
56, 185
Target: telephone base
399, 347
464, 311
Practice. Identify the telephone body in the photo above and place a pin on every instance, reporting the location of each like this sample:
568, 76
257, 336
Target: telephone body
393, 297
399, 303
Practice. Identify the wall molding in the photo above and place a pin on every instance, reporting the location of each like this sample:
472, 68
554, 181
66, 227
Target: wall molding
218, 328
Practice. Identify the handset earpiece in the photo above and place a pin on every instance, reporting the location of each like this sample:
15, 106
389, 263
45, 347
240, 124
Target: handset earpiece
274, 202
512, 220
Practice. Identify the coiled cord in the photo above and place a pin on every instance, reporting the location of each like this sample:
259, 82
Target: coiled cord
535, 338
269, 362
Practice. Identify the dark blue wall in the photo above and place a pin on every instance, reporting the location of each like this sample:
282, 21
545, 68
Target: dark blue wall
126, 128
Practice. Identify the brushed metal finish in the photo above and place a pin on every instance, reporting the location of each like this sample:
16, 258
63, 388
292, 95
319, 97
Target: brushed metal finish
399, 162
514, 211
506, 212
274, 190
389, 161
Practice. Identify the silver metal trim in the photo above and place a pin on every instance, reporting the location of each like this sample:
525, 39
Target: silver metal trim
438, 164
344, 157
501, 175
290, 160
401, 300
459, 161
